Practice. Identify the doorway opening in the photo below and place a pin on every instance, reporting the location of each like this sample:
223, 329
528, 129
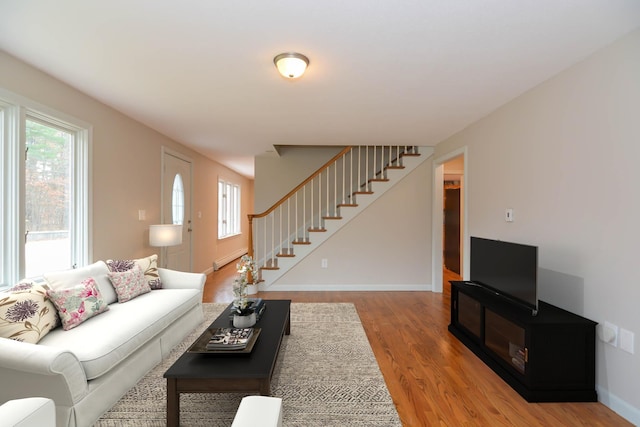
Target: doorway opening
450, 252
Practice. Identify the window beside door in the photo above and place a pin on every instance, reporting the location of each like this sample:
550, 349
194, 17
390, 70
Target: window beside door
228, 209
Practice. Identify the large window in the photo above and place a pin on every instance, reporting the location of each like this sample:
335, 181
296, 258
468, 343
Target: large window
45, 180
228, 209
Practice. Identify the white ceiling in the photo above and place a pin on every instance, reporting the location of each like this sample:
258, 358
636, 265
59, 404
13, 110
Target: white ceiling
382, 72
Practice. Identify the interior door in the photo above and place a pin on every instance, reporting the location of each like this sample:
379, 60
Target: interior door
452, 229
176, 208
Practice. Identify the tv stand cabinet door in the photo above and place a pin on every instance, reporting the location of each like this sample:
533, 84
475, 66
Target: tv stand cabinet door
470, 315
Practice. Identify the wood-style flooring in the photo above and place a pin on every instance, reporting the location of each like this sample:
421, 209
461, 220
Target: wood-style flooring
432, 377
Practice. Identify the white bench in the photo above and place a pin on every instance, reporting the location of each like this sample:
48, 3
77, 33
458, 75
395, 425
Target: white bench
260, 411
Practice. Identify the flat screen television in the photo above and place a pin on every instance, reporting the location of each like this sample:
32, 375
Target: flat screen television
509, 270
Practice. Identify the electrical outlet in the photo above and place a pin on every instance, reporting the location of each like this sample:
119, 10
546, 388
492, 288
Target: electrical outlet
609, 334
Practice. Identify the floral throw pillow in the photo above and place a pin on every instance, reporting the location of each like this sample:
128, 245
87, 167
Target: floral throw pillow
129, 284
79, 303
148, 265
26, 314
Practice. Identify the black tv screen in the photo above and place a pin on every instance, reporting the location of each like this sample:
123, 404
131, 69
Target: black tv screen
508, 269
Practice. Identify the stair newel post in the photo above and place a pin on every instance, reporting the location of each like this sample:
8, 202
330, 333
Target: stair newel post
250, 238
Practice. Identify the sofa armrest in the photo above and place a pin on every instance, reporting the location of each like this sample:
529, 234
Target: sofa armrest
38, 370
264, 411
33, 411
173, 279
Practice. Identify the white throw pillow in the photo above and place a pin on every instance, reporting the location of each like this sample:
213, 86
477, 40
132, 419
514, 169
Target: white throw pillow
70, 278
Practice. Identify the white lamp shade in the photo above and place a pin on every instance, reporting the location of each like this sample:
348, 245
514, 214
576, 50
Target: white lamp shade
291, 65
165, 235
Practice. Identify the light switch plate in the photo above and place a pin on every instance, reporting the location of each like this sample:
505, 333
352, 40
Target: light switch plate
508, 215
626, 340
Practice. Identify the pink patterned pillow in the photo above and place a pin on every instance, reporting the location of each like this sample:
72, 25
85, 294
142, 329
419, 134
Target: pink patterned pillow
148, 265
129, 284
79, 303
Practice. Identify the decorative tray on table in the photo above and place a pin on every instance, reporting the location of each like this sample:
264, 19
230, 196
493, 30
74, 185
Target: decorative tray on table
225, 341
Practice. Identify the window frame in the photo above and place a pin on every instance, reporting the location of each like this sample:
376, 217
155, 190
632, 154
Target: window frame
15, 110
229, 208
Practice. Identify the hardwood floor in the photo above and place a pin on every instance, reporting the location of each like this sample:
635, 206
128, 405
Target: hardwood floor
432, 377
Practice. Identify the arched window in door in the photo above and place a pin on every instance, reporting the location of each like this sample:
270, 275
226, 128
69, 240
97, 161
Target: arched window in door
177, 200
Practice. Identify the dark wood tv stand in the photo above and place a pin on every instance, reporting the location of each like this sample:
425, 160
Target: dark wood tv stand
549, 357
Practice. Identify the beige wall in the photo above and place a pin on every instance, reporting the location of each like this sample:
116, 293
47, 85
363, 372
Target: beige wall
126, 172
387, 246
565, 156
277, 174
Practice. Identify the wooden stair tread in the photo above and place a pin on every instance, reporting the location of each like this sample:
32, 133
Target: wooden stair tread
378, 180
331, 217
285, 255
394, 167
316, 230
301, 242
363, 192
409, 154
347, 205
269, 268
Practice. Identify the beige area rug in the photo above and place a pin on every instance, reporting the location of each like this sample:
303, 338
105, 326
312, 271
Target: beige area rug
326, 374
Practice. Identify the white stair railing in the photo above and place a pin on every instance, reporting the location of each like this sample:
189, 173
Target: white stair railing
305, 209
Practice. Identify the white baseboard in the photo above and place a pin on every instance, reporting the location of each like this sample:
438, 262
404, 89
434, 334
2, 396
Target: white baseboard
351, 287
619, 406
222, 261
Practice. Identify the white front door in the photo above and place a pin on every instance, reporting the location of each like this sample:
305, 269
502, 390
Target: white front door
176, 207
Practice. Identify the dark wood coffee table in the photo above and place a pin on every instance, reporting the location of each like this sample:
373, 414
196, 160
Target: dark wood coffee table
232, 373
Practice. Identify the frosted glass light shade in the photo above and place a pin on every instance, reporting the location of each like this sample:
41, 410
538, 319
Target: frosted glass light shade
165, 235
291, 65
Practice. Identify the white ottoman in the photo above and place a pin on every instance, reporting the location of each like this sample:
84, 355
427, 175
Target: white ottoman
28, 412
260, 411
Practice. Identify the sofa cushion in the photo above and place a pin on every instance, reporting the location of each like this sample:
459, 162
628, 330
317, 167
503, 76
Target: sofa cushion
129, 284
78, 304
123, 329
149, 266
26, 314
69, 278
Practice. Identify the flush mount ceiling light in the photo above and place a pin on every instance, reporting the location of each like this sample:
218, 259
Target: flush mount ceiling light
291, 65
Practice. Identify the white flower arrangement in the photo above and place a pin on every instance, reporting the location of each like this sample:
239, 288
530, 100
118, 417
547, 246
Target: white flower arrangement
248, 272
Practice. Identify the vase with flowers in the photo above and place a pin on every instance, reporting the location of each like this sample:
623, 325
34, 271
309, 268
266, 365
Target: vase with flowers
243, 314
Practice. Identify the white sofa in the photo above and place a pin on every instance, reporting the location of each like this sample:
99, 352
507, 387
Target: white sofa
87, 369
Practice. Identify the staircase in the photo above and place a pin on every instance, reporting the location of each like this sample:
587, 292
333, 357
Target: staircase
325, 202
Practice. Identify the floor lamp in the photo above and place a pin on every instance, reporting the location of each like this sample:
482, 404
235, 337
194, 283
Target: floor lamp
164, 235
